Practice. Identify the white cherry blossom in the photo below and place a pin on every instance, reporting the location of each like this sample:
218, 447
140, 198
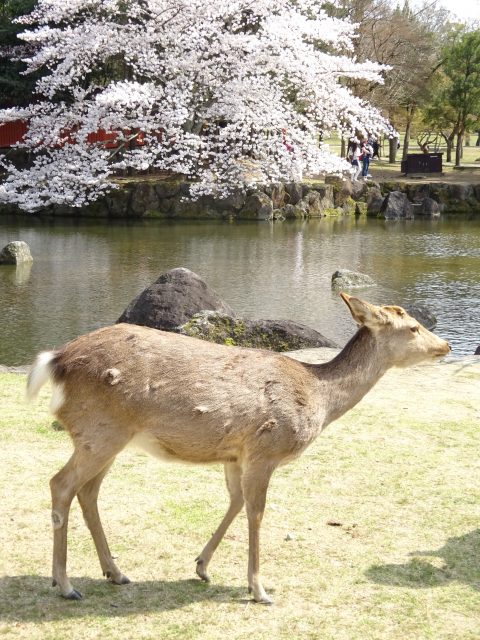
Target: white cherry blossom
225, 93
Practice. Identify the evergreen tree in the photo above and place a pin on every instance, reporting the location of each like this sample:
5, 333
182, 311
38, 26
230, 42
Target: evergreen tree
462, 68
15, 88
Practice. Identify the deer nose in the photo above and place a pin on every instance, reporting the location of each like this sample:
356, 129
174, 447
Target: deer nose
448, 347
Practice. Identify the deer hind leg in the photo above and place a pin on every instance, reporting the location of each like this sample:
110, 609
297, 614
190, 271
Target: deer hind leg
233, 476
65, 485
255, 482
88, 499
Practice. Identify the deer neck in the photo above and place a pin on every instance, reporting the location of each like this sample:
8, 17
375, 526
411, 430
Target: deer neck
351, 374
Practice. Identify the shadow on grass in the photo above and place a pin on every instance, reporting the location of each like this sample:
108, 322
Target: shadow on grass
30, 598
461, 563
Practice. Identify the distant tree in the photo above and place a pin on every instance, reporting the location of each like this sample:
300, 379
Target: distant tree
15, 88
462, 67
406, 39
439, 115
453, 109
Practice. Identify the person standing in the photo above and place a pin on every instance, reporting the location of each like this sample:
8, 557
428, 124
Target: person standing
366, 154
354, 157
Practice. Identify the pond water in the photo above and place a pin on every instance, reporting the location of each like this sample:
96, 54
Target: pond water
85, 273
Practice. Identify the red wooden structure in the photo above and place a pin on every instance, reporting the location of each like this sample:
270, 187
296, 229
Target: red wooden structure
13, 132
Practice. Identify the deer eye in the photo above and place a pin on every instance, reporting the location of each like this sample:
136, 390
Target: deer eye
415, 329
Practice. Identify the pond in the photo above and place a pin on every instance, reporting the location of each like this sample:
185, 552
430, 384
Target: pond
85, 273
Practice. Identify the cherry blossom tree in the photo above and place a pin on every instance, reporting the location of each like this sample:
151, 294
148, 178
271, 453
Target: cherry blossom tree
224, 93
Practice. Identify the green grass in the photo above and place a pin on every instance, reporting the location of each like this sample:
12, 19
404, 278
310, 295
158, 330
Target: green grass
399, 475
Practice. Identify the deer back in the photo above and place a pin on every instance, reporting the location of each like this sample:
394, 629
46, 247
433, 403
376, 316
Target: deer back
184, 398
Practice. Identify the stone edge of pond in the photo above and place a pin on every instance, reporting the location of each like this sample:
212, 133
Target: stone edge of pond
20, 369
165, 199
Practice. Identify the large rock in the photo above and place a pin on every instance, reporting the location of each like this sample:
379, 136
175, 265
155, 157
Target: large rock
258, 206
277, 193
172, 300
374, 201
422, 314
294, 192
16, 252
429, 207
396, 205
276, 335
346, 279
477, 351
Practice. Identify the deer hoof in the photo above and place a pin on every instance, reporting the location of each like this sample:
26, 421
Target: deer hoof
120, 580
260, 597
201, 572
73, 595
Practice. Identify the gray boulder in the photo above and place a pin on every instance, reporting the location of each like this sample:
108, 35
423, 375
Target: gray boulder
172, 300
290, 211
319, 199
342, 189
257, 205
275, 335
294, 192
359, 189
477, 351
396, 205
422, 314
346, 279
374, 202
277, 193
429, 207
16, 252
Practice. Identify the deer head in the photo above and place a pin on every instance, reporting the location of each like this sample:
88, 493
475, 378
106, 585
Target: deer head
404, 340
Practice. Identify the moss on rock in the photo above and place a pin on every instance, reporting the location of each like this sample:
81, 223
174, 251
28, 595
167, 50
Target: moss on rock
258, 334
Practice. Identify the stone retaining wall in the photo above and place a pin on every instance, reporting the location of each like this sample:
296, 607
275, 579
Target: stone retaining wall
168, 199
452, 197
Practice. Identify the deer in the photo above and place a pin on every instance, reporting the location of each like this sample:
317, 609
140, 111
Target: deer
184, 399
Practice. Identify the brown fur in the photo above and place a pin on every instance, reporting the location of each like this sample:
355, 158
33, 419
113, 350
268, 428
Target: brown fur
184, 399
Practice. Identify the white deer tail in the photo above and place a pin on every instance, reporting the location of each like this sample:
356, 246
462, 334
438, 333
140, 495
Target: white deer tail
39, 374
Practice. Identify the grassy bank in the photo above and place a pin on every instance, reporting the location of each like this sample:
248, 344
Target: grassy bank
383, 513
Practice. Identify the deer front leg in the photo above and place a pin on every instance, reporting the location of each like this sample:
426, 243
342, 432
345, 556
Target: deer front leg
233, 475
255, 484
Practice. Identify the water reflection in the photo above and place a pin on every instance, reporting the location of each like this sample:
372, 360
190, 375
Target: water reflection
85, 273
20, 274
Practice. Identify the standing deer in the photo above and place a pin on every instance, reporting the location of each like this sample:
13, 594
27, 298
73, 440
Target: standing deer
184, 399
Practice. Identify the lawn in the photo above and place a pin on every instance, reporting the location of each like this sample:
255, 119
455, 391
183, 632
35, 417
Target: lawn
372, 534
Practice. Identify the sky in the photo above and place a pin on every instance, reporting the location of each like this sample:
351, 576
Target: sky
464, 9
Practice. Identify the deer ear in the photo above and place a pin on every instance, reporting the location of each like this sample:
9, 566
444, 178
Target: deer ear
364, 313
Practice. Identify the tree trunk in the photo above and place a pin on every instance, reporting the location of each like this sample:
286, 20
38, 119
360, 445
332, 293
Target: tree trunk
450, 140
343, 148
477, 144
406, 141
392, 150
458, 150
